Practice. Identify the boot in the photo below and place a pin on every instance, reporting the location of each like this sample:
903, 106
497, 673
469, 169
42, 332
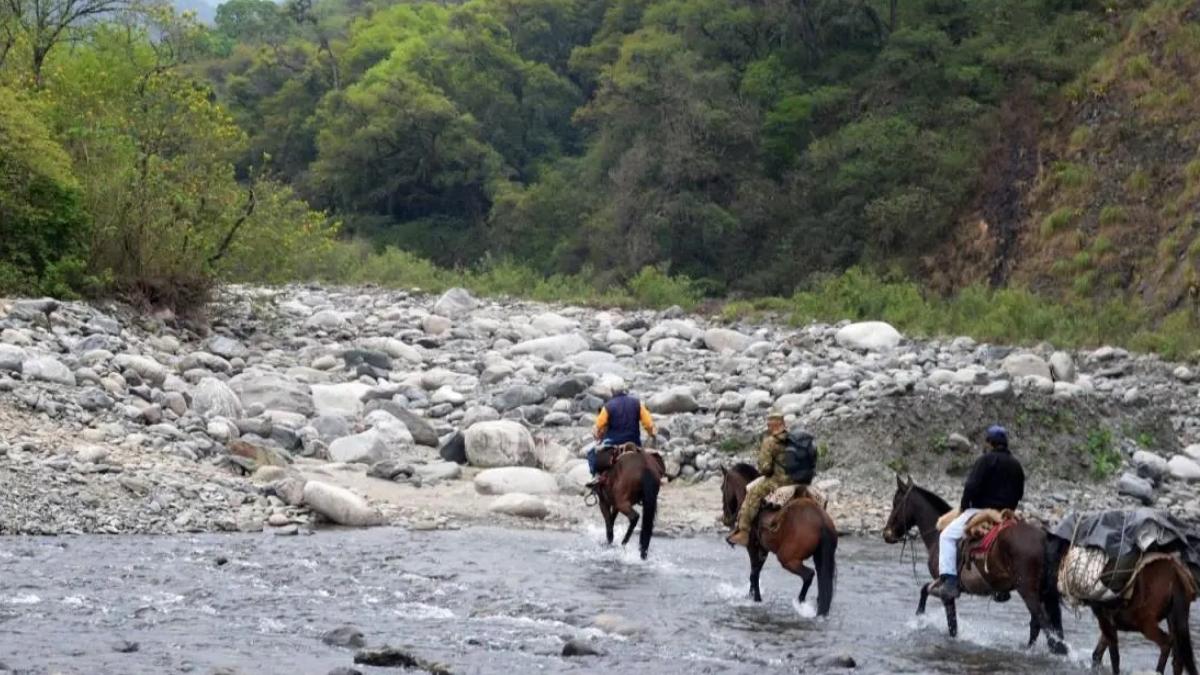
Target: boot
946, 587
596, 483
738, 538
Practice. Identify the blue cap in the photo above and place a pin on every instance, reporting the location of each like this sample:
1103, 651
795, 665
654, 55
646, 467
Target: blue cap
996, 435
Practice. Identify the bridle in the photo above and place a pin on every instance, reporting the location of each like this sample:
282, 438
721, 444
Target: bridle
907, 537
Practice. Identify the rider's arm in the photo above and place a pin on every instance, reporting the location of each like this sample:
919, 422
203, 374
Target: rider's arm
974, 481
766, 457
648, 421
601, 423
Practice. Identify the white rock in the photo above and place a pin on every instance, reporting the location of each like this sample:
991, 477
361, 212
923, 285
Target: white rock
147, 368
214, 398
1182, 373
1062, 367
725, 340
554, 324
674, 400
520, 505
731, 401
872, 336
48, 369
1026, 365
499, 443
553, 348
344, 399
226, 347
91, 454
272, 391
435, 325
438, 471
511, 479
454, 303
1184, 468
1148, 463
447, 394
758, 400
668, 346
11, 358
550, 455
327, 320
941, 377
339, 505
1192, 452
367, 447
999, 388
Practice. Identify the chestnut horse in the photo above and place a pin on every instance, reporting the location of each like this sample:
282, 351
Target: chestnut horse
1017, 561
634, 478
795, 533
1163, 589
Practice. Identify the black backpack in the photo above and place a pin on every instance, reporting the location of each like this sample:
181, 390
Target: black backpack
799, 459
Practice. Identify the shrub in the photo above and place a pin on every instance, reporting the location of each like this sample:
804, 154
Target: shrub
654, 288
1112, 215
1058, 221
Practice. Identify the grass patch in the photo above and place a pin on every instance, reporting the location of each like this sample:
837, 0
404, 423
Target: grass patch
1139, 67
1191, 172
1103, 453
1138, 183
1080, 137
1113, 215
1059, 221
1071, 175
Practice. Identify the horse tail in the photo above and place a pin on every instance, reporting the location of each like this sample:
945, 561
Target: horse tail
650, 483
1177, 622
1051, 597
825, 559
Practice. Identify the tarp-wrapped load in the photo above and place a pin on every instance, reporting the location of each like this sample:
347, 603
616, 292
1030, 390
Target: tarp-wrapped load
1108, 548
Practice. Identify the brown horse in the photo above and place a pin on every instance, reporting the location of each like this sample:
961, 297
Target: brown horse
1016, 562
1162, 590
634, 478
795, 533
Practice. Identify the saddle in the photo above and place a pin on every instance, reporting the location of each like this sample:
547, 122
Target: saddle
780, 497
981, 533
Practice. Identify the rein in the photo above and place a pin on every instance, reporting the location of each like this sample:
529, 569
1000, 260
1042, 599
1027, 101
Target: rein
908, 536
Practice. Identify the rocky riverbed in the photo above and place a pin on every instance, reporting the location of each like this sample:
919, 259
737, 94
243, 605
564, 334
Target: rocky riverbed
295, 406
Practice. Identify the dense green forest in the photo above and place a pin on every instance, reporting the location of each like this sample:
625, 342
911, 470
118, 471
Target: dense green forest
658, 149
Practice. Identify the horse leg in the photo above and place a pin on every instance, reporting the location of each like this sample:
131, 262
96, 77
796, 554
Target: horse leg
951, 617
610, 517
1156, 635
1035, 629
1039, 618
1108, 630
758, 557
633, 517
923, 600
1098, 652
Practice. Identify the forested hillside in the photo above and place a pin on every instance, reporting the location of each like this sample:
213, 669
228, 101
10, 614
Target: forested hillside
744, 147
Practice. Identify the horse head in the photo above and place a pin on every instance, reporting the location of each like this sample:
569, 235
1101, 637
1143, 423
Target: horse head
901, 519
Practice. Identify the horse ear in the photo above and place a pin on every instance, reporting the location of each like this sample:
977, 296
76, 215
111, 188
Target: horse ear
899, 482
910, 480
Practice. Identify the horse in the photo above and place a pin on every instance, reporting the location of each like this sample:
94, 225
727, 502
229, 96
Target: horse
634, 478
1017, 561
795, 533
1162, 590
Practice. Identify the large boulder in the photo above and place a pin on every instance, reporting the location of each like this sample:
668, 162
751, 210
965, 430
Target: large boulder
517, 396
214, 398
327, 320
330, 428
499, 443
1025, 364
1062, 366
1150, 465
673, 400
339, 399
520, 505
554, 324
48, 369
725, 340
509, 479
454, 303
339, 505
422, 432
393, 348
272, 391
369, 447
147, 368
11, 358
871, 336
1136, 487
227, 347
1184, 468
553, 348
454, 449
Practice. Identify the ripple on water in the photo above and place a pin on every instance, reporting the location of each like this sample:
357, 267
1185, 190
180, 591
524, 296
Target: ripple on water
23, 599
419, 611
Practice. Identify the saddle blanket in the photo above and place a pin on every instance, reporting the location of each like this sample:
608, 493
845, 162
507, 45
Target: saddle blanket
981, 523
781, 496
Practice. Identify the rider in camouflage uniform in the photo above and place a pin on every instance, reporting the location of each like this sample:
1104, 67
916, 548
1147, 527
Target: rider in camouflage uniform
770, 458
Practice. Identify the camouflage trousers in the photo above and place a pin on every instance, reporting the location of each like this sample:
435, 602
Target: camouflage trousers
753, 501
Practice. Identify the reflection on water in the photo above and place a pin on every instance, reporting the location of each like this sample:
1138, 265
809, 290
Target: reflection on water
484, 601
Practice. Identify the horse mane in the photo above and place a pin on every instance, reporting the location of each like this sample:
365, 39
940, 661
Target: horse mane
937, 502
745, 470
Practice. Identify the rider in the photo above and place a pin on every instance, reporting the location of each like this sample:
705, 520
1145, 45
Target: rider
618, 423
997, 481
770, 466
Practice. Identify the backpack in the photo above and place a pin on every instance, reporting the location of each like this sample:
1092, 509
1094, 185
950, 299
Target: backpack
799, 460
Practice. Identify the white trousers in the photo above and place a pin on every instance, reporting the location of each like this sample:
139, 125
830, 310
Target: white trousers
948, 543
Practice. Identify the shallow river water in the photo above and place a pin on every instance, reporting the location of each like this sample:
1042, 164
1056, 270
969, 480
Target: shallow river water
486, 600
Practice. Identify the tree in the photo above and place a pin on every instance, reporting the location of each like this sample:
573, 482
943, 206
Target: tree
46, 23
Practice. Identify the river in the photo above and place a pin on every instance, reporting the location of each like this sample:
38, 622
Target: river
485, 600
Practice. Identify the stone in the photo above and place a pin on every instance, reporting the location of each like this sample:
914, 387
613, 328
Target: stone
1192, 452
517, 396
870, 336
1062, 367
390, 469
576, 647
436, 325
1136, 487
326, 320
673, 400
731, 401
91, 454
1184, 468
499, 443
147, 368
550, 455
454, 303
454, 449
339, 399
554, 324
668, 346
93, 399
758, 400
271, 391
226, 347
12, 358
213, 398
345, 670
387, 657
125, 647
344, 636
418, 427
395, 349
553, 348
1026, 365
725, 340
567, 387
354, 358
794, 381
447, 394
48, 369
438, 471
1150, 465
959, 443
367, 447
1182, 373
520, 505
997, 389
339, 505
509, 479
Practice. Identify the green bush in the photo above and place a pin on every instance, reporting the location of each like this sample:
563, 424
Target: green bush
1058, 221
654, 288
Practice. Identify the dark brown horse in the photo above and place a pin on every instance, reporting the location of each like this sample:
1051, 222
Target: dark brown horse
1017, 561
1162, 590
795, 533
634, 478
